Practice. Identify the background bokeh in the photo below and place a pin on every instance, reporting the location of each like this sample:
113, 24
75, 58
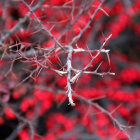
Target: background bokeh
33, 100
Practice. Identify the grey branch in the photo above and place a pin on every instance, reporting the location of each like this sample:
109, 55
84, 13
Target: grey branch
69, 69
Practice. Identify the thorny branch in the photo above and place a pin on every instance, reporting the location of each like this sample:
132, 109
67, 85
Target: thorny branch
89, 64
69, 49
119, 125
